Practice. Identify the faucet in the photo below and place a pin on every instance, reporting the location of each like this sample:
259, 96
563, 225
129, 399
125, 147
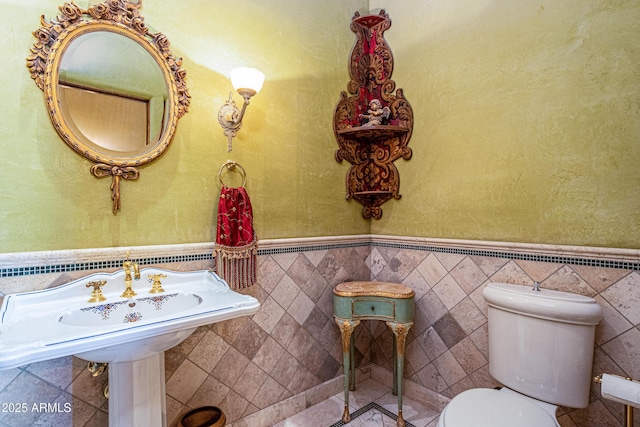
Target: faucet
536, 286
129, 267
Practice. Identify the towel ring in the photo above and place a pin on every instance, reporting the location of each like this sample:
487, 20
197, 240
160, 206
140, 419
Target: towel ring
231, 165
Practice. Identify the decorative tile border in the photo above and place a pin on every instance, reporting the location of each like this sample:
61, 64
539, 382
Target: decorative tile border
319, 247
557, 259
32, 263
96, 265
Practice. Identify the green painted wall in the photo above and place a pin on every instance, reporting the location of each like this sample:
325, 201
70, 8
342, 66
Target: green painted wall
527, 126
527, 120
50, 200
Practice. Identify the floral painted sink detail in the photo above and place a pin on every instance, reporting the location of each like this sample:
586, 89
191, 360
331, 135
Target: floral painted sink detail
129, 311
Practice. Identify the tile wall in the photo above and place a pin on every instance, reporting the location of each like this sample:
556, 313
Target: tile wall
447, 350
257, 368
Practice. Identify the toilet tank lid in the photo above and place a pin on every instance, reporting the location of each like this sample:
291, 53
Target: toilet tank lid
545, 304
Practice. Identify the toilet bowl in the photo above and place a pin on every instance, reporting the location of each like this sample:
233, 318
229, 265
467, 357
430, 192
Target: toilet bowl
488, 407
540, 349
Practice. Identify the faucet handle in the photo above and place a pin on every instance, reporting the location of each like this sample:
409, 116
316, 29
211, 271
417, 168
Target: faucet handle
96, 294
157, 286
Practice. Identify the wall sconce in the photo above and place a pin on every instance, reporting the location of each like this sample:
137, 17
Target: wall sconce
248, 82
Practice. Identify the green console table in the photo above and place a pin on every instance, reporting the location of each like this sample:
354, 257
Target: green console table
392, 303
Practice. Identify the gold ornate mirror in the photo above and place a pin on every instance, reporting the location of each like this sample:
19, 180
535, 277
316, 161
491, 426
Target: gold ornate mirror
113, 89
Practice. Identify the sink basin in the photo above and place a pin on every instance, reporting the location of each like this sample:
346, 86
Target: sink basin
57, 322
131, 334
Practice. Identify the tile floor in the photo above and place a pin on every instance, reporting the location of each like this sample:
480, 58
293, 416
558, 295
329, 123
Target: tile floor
329, 412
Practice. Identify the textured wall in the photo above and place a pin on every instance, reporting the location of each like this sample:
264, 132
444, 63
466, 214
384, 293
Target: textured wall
50, 200
526, 126
527, 120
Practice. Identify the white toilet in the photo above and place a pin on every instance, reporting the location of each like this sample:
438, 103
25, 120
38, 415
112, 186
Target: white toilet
540, 349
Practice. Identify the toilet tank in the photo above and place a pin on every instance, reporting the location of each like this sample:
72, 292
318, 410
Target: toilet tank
541, 342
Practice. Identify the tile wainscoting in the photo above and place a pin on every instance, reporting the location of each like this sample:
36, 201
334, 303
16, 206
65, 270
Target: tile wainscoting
287, 356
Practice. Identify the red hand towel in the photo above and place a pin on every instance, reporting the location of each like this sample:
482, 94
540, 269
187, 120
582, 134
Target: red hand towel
235, 248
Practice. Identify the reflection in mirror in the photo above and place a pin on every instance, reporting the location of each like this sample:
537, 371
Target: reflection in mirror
113, 90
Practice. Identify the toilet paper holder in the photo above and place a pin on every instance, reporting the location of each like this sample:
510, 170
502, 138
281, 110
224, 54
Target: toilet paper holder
628, 409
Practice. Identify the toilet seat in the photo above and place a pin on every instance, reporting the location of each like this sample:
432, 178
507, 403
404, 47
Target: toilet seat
483, 407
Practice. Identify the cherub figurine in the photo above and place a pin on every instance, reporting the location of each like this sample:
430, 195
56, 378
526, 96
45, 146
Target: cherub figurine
376, 114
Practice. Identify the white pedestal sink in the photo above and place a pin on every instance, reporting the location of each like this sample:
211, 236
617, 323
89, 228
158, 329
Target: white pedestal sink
137, 392
129, 334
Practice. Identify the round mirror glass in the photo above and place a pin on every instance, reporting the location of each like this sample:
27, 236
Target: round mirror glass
113, 94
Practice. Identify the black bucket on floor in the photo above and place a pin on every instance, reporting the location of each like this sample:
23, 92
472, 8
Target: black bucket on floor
207, 416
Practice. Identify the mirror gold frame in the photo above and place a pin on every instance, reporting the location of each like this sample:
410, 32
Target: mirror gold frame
114, 16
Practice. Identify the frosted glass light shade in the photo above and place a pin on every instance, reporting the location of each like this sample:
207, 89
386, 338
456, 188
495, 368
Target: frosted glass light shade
247, 78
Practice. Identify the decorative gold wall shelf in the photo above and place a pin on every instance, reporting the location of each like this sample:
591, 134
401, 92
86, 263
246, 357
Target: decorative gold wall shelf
371, 140
372, 133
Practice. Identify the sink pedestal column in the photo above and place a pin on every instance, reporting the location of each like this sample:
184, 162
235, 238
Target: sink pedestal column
137, 393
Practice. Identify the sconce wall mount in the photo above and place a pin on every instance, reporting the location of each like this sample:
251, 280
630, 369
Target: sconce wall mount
247, 82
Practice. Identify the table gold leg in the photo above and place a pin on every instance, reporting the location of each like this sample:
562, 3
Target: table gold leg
352, 364
400, 331
400, 422
346, 329
394, 364
346, 416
